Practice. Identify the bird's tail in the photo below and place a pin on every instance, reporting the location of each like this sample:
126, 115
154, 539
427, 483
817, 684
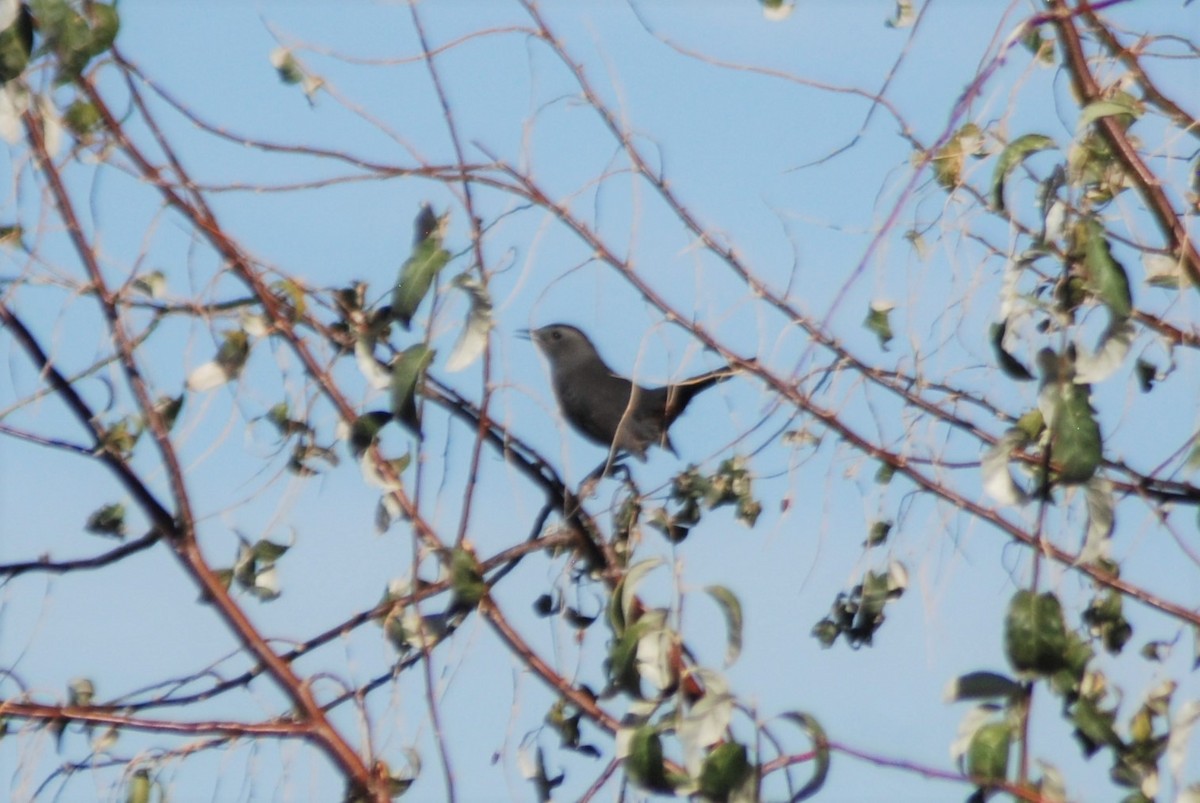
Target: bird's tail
681, 393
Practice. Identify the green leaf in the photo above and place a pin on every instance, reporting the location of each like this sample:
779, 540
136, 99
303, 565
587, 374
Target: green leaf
1035, 636
877, 322
644, 763
121, 437
255, 569
987, 757
1012, 155
1076, 658
104, 23
875, 593
725, 769
905, 15
731, 484
16, 43
290, 291
466, 579
1075, 443
286, 66
1041, 48
949, 160
662, 521
622, 661
224, 576
826, 632
1106, 277
11, 235
878, 534
1105, 617
732, 609
269, 551
365, 430
108, 520
1121, 105
234, 350
74, 38
1009, 364
408, 372
1093, 726
1101, 515
153, 283
417, 274
1031, 425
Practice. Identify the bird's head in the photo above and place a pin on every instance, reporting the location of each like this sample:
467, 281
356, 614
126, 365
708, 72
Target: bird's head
563, 344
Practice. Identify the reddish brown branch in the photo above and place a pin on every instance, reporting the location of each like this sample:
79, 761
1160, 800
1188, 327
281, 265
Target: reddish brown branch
1129, 57
183, 543
924, 770
92, 716
517, 645
1148, 184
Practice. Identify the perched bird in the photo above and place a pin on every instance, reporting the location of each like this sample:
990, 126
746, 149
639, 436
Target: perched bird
605, 407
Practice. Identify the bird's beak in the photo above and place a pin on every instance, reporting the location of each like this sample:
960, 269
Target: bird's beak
525, 334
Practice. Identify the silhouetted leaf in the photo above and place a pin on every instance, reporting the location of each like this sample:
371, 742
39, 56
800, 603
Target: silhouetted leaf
1009, 364
981, 686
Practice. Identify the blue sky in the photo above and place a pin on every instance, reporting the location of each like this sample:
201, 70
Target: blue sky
738, 147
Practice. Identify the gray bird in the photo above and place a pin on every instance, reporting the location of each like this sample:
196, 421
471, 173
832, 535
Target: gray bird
605, 407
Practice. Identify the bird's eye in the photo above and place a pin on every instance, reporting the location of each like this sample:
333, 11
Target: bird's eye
557, 335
